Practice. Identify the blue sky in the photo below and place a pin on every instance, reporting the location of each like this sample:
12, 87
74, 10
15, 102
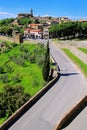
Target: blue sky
74, 9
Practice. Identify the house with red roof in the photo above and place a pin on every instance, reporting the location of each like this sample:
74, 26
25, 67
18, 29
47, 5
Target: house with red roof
34, 31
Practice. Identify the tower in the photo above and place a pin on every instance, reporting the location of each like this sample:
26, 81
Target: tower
17, 37
31, 12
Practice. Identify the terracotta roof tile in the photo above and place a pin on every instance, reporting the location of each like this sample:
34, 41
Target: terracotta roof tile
36, 30
35, 24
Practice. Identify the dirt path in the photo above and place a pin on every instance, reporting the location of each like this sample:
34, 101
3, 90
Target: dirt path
4, 38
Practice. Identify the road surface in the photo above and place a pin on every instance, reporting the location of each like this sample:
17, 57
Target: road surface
50, 109
80, 122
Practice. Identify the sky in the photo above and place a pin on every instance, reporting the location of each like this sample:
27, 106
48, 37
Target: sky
74, 9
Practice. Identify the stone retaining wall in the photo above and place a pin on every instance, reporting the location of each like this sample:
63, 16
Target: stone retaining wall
4, 38
69, 117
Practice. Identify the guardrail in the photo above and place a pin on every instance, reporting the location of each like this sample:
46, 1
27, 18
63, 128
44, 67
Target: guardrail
12, 119
69, 117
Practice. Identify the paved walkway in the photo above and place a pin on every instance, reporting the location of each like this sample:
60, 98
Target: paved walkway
81, 55
73, 46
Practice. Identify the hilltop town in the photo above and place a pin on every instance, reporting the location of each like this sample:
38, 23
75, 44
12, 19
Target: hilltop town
26, 25
39, 26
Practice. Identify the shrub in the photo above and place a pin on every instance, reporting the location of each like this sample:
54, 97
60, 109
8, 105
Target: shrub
32, 58
14, 44
16, 78
11, 99
4, 78
35, 83
25, 50
1, 70
9, 68
2, 106
40, 60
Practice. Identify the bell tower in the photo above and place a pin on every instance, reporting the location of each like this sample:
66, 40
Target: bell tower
31, 12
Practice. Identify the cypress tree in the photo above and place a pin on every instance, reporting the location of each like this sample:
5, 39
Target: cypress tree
46, 66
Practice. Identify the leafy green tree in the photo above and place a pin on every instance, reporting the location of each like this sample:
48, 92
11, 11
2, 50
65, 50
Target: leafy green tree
46, 65
24, 21
7, 21
9, 68
17, 78
40, 60
4, 78
36, 21
69, 30
1, 70
32, 58
11, 99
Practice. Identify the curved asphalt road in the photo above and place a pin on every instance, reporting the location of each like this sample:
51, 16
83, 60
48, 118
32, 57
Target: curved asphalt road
50, 109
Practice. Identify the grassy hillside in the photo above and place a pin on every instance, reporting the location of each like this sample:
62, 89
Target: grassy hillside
21, 65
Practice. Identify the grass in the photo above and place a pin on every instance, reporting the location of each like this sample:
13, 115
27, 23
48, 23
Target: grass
3, 59
30, 75
83, 50
80, 63
2, 120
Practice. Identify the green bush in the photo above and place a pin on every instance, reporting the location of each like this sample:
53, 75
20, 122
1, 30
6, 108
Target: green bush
40, 60
9, 69
17, 78
35, 83
1, 70
11, 99
4, 78
32, 58
14, 44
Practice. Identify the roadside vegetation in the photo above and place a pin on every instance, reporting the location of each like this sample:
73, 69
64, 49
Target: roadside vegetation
7, 25
20, 75
83, 50
69, 30
80, 63
46, 65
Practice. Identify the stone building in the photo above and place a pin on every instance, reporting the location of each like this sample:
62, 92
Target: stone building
46, 33
34, 31
26, 15
17, 37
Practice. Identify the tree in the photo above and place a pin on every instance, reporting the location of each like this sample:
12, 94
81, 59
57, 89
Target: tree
11, 99
46, 65
69, 30
7, 21
1, 70
24, 21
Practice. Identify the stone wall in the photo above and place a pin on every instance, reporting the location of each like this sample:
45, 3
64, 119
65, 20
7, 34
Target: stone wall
70, 116
17, 37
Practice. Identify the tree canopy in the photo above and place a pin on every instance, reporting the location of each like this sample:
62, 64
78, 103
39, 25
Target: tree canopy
6, 21
24, 21
11, 99
69, 30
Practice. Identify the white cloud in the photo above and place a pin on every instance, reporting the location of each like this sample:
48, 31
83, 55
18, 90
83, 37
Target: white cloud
7, 15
